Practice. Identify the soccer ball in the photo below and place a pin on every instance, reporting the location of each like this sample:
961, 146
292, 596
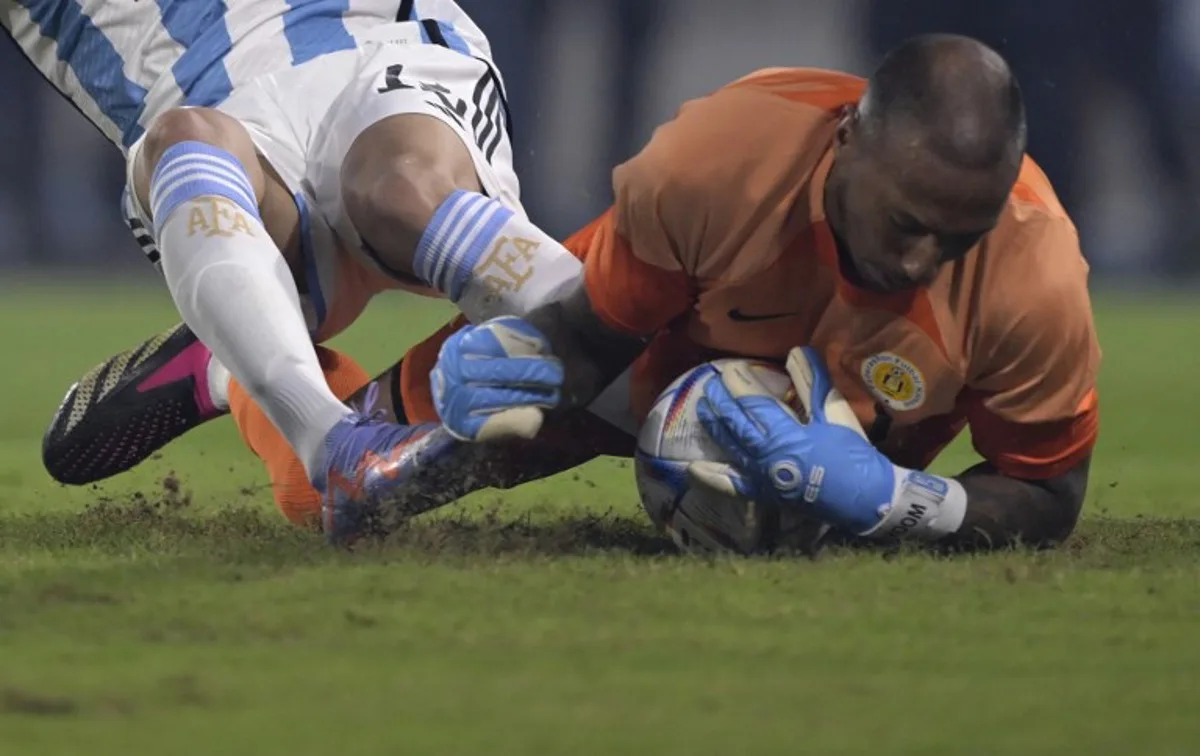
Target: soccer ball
695, 517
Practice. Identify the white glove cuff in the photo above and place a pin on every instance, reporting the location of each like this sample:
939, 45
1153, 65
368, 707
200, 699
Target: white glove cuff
924, 507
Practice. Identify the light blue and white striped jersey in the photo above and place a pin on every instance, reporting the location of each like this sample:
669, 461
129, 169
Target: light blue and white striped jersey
122, 62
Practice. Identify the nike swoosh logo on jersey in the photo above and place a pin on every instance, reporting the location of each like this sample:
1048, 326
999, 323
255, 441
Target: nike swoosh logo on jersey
737, 315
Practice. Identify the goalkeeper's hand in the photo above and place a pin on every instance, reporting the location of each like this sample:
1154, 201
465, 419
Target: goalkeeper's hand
494, 380
826, 466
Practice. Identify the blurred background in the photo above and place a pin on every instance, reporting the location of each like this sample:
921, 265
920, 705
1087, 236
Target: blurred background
1112, 88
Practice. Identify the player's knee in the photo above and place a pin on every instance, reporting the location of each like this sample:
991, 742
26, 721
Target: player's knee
392, 188
203, 125
396, 199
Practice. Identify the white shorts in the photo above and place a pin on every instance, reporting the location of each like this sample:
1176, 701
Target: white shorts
304, 120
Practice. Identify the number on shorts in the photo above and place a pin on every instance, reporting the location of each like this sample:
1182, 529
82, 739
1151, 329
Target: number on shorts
487, 122
392, 81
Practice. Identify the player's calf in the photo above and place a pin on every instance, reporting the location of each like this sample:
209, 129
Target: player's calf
199, 183
412, 191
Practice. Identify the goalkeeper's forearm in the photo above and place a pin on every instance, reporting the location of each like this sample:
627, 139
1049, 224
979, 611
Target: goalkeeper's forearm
1002, 511
593, 354
983, 509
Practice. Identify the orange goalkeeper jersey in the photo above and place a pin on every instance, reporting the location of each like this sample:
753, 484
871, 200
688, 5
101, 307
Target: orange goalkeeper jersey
717, 243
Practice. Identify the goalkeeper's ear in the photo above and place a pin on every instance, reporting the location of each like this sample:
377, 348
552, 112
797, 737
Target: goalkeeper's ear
815, 392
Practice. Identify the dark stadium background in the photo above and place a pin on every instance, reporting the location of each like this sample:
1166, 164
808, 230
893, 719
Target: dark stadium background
1113, 89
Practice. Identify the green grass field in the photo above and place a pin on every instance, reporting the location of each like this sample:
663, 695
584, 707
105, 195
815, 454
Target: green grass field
139, 620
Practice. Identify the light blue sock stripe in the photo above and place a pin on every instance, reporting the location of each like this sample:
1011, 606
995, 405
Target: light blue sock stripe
432, 248
188, 170
464, 263
445, 244
459, 237
194, 188
427, 257
191, 166
201, 150
174, 181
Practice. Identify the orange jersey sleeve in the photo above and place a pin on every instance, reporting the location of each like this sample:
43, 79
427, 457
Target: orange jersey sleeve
1032, 406
627, 291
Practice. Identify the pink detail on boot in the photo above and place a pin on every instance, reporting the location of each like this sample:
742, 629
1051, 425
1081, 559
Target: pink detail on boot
192, 363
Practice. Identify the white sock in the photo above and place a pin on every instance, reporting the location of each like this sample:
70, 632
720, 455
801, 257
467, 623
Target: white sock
489, 261
218, 383
234, 290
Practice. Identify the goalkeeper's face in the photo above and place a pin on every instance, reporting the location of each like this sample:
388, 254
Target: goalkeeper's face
900, 212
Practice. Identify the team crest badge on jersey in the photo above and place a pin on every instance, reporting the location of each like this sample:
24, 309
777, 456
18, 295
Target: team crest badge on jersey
894, 381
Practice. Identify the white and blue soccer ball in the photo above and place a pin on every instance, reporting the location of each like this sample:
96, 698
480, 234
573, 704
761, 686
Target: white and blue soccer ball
695, 517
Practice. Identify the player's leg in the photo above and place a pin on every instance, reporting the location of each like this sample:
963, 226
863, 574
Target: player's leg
425, 182
199, 173
294, 494
412, 191
134, 403
198, 176
400, 395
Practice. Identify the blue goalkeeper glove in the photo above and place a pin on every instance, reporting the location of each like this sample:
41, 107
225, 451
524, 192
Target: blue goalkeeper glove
494, 380
826, 466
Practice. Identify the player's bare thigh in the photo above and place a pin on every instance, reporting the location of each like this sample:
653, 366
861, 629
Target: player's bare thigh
396, 174
278, 210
